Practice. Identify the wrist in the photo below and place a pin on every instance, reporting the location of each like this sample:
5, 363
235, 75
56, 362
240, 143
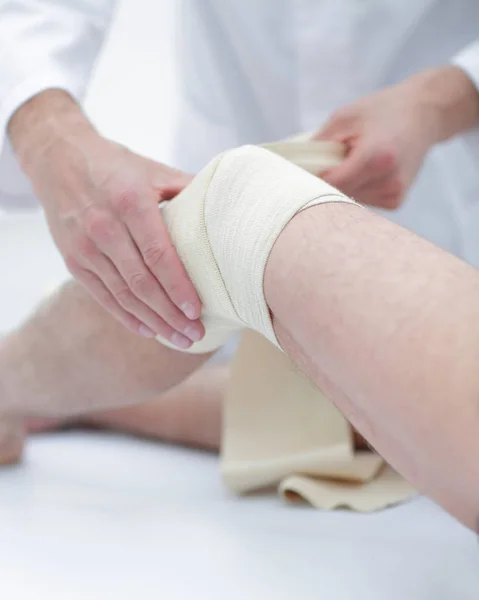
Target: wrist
448, 100
45, 122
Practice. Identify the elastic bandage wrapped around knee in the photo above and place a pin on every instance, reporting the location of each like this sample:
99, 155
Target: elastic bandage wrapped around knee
224, 226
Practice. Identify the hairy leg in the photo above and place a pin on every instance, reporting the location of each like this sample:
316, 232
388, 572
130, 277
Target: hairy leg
190, 414
388, 326
71, 357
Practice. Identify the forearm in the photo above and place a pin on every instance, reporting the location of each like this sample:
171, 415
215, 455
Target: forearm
449, 98
50, 119
388, 326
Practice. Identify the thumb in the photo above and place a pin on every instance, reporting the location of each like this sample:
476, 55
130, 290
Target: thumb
173, 185
168, 191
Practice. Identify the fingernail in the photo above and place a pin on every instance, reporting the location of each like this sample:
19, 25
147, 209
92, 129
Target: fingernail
193, 332
189, 310
146, 332
180, 340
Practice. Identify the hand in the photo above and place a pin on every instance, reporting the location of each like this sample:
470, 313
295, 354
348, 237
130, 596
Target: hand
101, 203
389, 133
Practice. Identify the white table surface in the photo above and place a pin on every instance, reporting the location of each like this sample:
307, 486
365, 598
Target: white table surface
97, 516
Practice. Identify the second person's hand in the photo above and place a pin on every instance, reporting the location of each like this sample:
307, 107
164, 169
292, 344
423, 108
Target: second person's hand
388, 133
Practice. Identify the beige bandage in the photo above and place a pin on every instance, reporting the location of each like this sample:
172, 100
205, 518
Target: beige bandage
279, 429
224, 225
312, 156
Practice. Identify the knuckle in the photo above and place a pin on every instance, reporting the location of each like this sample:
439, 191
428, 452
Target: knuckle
141, 284
86, 247
126, 202
99, 225
176, 287
158, 255
385, 158
125, 298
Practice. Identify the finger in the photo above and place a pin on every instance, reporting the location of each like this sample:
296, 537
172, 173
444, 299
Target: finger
107, 300
114, 241
97, 289
151, 236
168, 192
336, 129
170, 189
362, 166
105, 271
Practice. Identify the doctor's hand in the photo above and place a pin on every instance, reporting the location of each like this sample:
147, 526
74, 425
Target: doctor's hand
101, 203
389, 133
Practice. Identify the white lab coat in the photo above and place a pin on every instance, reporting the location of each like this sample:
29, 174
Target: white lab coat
257, 71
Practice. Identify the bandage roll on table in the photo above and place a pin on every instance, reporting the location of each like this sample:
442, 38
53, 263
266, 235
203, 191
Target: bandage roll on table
279, 429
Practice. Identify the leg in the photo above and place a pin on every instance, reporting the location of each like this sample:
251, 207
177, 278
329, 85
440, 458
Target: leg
190, 414
385, 323
72, 357
388, 326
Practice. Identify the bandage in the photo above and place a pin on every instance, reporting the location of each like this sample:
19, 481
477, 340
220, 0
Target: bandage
280, 430
316, 157
224, 225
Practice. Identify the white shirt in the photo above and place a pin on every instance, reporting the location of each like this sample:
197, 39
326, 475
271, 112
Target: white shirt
257, 71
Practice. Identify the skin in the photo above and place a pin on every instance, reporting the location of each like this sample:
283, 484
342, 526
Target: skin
101, 203
189, 414
389, 133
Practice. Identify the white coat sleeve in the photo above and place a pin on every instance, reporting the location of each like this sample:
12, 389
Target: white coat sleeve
468, 61
44, 44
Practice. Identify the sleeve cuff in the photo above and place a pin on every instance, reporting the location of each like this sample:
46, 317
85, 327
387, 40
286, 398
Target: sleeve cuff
468, 61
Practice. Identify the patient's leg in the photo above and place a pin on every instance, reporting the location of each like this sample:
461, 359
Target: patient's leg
72, 357
190, 414
388, 326
385, 323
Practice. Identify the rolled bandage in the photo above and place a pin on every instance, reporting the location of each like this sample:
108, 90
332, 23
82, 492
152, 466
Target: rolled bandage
224, 226
316, 157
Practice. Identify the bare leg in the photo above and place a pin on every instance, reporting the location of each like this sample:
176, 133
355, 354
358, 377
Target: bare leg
72, 357
189, 414
388, 326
